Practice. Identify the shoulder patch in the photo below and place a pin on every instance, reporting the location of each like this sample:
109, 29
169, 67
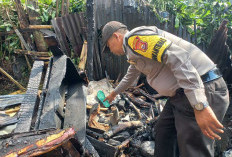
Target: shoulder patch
150, 46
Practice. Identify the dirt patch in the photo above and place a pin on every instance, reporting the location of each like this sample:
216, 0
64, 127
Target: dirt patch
6, 86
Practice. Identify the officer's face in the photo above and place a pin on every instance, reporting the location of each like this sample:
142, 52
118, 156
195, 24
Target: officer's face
115, 44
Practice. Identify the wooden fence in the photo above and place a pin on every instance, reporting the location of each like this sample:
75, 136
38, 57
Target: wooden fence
130, 12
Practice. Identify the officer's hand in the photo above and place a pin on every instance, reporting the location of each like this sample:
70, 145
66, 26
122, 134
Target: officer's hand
110, 97
208, 123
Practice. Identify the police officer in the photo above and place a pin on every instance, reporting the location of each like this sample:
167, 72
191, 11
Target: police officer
198, 95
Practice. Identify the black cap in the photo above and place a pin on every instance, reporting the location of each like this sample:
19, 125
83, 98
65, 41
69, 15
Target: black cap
109, 29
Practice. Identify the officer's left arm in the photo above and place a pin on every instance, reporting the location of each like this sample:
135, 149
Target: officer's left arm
188, 78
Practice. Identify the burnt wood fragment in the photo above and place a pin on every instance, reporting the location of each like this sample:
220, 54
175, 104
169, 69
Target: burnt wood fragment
132, 105
49, 117
102, 148
121, 127
35, 143
70, 150
10, 100
5, 121
138, 101
28, 106
43, 94
75, 111
90, 149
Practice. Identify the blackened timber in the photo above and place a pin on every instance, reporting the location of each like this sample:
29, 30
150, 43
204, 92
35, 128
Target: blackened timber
10, 100
90, 148
28, 106
75, 111
90, 37
49, 118
5, 121
101, 147
43, 94
35, 143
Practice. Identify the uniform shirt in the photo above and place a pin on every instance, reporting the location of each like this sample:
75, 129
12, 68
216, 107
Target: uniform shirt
181, 67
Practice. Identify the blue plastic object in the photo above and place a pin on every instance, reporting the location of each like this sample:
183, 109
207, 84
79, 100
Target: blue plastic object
101, 96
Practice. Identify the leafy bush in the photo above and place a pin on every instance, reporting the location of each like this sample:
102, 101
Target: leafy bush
208, 15
46, 10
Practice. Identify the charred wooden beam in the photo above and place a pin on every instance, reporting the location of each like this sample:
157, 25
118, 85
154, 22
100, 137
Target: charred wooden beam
28, 106
90, 37
10, 100
102, 148
5, 121
70, 150
132, 105
150, 97
49, 117
35, 144
138, 101
75, 111
43, 94
122, 126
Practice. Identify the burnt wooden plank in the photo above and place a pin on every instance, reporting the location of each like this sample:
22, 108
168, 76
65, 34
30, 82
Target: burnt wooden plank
5, 121
90, 148
26, 144
10, 100
28, 105
75, 112
102, 148
90, 37
49, 118
43, 94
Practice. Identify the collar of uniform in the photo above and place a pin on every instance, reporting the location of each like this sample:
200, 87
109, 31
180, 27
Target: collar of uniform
124, 42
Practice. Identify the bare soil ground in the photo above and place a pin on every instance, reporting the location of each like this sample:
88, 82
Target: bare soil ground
6, 86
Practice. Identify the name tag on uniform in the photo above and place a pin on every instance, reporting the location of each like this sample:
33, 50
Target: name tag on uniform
149, 46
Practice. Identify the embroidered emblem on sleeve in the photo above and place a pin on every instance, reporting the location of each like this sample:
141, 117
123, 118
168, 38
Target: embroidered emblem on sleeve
150, 46
138, 44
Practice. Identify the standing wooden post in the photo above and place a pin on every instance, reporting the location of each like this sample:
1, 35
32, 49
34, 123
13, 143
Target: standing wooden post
90, 37
57, 7
33, 18
67, 7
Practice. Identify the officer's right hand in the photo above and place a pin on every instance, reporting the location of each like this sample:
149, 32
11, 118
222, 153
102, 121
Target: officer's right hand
110, 97
208, 123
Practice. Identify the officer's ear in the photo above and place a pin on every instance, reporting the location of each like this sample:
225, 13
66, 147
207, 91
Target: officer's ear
116, 35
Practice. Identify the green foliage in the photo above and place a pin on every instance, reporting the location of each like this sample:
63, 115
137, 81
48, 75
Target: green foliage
46, 10
77, 6
208, 15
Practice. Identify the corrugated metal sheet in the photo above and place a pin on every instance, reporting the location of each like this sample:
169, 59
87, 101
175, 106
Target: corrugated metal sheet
70, 29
